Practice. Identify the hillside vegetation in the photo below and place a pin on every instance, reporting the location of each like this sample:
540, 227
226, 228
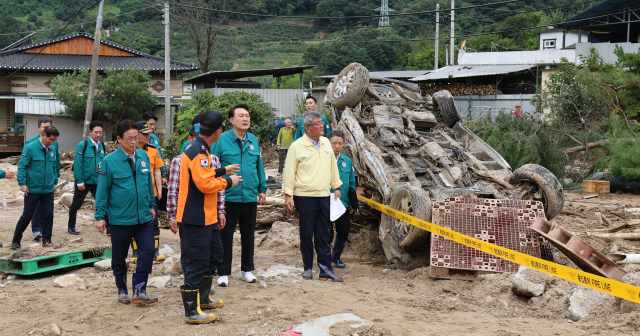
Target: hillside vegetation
250, 42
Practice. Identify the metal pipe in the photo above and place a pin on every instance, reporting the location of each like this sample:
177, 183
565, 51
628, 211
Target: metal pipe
168, 117
435, 62
453, 61
624, 258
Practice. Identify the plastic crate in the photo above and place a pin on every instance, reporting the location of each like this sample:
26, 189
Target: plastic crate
602, 188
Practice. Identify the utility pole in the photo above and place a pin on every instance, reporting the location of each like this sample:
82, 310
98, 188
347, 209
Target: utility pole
88, 114
384, 12
168, 116
446, 54
452, 44
435, 62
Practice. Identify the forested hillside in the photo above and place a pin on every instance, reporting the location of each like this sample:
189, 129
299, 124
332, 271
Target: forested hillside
233, 41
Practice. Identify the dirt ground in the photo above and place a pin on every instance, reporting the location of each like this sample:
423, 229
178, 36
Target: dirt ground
398, 299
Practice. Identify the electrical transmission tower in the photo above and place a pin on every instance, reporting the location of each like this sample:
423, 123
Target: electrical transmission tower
384, 13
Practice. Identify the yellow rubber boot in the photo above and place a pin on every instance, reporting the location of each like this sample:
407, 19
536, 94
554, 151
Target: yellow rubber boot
134, 257
157, 256
206, 301
192, 312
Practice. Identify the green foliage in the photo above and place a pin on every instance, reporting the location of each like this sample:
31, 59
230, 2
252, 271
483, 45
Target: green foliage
119, 94
521, 141
624, 148
262, 113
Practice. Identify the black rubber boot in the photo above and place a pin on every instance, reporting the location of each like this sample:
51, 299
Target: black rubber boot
140, 296
338, 246
123, 293
307, 260
326, 271
206, 302
191, 302
157, 256
136, 255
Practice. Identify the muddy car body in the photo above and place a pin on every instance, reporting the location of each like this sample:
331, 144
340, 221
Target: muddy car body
409, 150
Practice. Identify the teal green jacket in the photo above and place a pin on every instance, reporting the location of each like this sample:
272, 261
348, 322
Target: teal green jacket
86, 164
37, 170
154, 140
2, 174
300, 129
228, 150
348, 178
55, 146
128, 201
184, 146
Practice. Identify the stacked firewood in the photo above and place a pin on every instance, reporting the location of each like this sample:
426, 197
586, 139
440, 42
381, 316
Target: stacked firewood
461, 89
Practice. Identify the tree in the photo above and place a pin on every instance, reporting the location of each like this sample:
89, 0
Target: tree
8, 25
120, 94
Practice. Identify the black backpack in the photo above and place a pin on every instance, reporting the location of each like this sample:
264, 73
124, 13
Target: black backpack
86, 143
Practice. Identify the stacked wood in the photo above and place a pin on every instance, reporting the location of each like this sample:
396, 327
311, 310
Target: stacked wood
461, 89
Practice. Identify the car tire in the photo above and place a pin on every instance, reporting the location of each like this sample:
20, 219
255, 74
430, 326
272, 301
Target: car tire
400, 236
448, 110
349, 86
534, 180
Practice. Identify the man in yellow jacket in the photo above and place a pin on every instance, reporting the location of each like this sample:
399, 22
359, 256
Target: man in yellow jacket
309, 175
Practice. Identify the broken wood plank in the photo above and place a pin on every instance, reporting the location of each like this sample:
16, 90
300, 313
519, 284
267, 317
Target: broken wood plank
590, 196
623, 235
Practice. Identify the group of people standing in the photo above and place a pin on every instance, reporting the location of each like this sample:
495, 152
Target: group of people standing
215, 184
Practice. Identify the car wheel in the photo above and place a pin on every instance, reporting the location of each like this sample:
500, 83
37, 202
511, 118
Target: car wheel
448, 110
537, 183
349, 86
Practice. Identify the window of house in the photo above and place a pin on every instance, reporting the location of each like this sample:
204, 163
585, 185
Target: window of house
549, 44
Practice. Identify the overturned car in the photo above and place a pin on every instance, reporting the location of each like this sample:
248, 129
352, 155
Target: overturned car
410, 151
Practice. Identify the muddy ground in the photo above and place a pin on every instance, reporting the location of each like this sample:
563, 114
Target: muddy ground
398, 299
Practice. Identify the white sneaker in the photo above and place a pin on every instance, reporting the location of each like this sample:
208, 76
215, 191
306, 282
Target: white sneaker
223, 281
248, 277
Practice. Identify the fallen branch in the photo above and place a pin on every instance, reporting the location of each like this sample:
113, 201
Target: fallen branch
590, 145
601, 219
492, 177
274, 201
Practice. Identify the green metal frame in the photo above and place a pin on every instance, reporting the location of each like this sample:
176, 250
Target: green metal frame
52, 262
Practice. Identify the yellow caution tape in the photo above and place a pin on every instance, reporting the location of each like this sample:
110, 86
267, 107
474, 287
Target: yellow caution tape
606, 285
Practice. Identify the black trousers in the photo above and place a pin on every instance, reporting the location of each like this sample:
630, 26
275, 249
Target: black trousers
154, 222
37, 219
204, 251
315, 225
31, 204
78, 198
244, 214
342, 226
121, 236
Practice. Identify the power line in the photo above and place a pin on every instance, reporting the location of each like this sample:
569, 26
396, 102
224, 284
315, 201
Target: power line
58, 34
77, 24
342, 17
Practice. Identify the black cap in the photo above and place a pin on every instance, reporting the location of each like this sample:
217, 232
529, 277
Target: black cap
211, 120
193, 132
143, 127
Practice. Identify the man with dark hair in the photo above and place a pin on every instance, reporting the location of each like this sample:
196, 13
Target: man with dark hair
238, 146
37, 220
152, 122
198, 212
311, 105
38, 176
86, 164
348, 178
125, 191
155, 164
309, 174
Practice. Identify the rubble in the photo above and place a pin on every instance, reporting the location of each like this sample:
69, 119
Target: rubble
67, 281
584, 301
628, 306
282, 236
103, 265
280, 271
166, 250
66, 199
528, 282
338, 324
159, 282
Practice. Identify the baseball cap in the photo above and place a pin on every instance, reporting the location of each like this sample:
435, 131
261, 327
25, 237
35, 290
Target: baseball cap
211, 119
193, 132
143, 127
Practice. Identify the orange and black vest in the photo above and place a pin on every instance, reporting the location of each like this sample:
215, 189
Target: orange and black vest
198, 195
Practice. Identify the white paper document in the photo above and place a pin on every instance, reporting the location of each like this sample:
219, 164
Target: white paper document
337, 208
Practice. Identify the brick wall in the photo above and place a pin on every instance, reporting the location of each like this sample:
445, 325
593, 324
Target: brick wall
176, 86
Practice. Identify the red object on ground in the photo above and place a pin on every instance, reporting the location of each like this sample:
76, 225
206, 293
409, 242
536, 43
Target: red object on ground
290, 332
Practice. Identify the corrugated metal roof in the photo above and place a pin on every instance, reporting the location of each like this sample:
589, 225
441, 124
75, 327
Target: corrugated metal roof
460, 71
36, 106
57, 63
237, 74
600, 11
160, 101
390, 74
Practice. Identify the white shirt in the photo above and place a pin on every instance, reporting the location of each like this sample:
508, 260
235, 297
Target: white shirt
316, 144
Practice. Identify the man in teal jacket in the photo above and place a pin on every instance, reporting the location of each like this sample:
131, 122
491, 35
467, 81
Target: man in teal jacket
238, 146
125, 191
37, 220
86, 163
348, 178
311, 104
37, 176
